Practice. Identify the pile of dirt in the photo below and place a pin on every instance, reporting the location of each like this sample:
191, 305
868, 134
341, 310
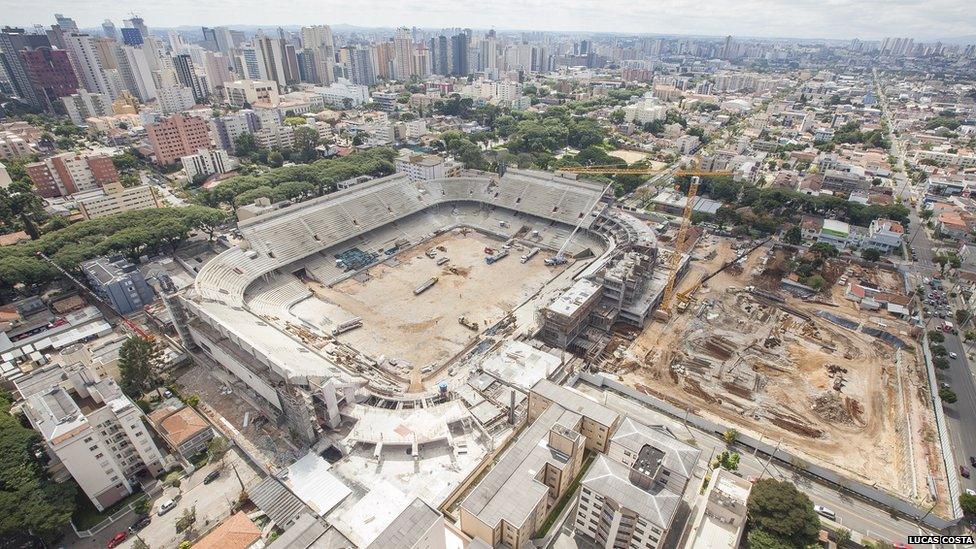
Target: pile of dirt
793, 425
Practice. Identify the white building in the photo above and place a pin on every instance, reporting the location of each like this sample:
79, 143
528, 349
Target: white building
113, 198
343, 94
885, 235
276, 136
647, 110
721, 519
12, 146
87, 64
207, 162
241, 92
420, 167
83, 105
173, 99
5, 180
91, 430
687, 144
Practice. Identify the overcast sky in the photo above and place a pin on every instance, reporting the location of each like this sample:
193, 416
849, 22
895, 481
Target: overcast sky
866, 19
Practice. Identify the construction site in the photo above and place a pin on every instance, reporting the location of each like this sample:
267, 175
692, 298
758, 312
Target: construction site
817, 372
420, 308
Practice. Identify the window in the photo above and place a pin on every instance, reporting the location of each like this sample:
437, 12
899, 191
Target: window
88, 439
99, 455
93, 448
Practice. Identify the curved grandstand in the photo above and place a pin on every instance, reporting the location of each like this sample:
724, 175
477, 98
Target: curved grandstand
271, 305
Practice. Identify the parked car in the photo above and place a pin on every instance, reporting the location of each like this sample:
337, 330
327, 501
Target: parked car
139, 524
117, 539
211, 476
166, 507
972, 460
963, 471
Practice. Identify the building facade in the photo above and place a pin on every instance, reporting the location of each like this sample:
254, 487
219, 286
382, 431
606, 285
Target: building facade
177, 136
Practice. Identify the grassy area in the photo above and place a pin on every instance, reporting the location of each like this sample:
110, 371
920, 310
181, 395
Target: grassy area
86, 516
567, 496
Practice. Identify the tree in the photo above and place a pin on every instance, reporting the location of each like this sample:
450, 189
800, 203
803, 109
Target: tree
306, 139
871, 254
727, 460
761, 539
19, 201
730, 436
31, 503
186, 520
138, 361
793, 235
968, 504
245, 144
936, 336
778, 508
947, 395
823, 250
938, 350
275, 159
962, 316
216, 449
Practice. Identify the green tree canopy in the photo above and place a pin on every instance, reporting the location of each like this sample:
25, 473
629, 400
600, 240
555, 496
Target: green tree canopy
782, 511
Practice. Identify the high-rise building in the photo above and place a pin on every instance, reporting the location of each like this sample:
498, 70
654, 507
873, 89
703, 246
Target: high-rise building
224, 39
66, 23
271, 55
207, 162
50, 74
177, 136
109, 30
209, 39
360, 66
92, 429
87, 64
384, 59
135, 72
229, 127
242, 93
403, 55
131, 36
183, 66
173, 99
318, 39
12, 42
459, 55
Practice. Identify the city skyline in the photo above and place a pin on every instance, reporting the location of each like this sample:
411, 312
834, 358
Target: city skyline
839, 19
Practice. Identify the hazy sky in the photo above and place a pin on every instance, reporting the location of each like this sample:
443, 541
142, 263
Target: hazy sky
867, 19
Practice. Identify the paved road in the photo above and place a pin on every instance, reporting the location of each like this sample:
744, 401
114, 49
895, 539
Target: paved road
853, 514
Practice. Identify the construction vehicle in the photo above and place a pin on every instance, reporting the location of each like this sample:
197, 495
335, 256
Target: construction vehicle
489, 251
348, 325
496, 257
525, 258
425, 286
84, 288
687, 296
443, 260
471, 325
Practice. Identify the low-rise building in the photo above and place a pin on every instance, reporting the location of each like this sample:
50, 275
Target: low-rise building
207, 162
423, 167
70, 173
885, 235
185, 430
82, 105
242, 93
721, 520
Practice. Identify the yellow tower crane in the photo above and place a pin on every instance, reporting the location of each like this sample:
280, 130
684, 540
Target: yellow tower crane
679, 242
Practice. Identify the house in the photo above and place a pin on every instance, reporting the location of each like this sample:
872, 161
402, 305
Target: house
885, 235
185, 430
237, 532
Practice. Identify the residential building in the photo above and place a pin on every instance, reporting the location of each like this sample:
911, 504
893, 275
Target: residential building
318, 41
174, 99
720, 521
512, 500
277, 136
687, 144
385, 101
207, 162
83, 105
885, 235
177, 136
420, 167
187, 76
119, 283
343, 94
135, 72
70, 173
91, 430
87, 64
50, 73
183, 428
12, 146
236, 532
13, 41
241, 93
403, 55
5, 179
113, 198
229, 127
597, 421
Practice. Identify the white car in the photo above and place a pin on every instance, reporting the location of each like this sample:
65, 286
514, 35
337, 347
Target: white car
166, 507
971, 492
953, 355
824, 512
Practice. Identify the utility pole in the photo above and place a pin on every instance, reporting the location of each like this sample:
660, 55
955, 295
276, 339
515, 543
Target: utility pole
770, 458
